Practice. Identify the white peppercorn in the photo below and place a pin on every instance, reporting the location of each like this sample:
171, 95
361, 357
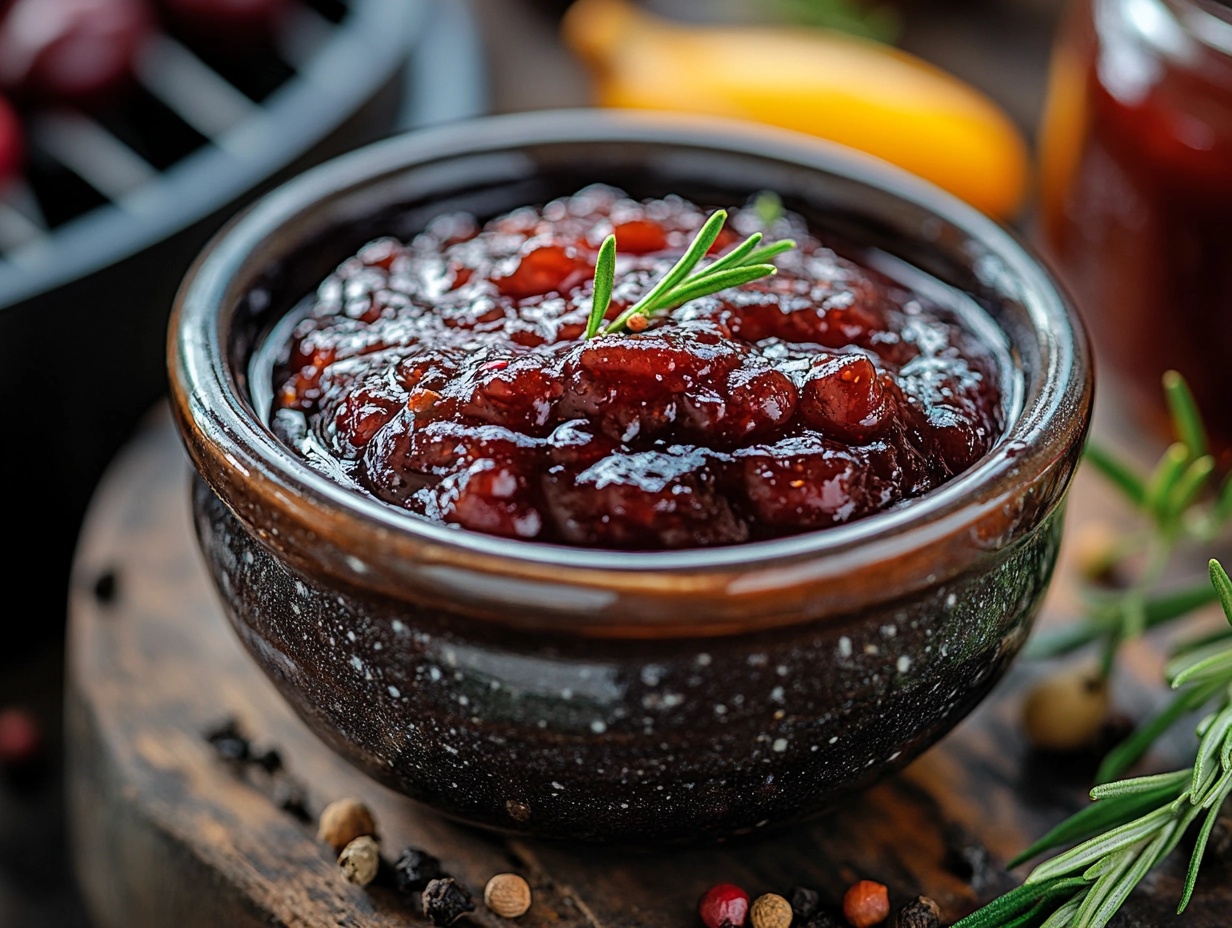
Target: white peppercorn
507, 895
360, 860
770, 910
344, 820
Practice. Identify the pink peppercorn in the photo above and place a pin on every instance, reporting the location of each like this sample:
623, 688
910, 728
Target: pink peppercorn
723, 905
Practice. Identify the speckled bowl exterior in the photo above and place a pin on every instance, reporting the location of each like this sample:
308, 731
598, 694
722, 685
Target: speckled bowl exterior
628, 697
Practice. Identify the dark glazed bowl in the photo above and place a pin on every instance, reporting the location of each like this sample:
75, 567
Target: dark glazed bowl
621, 696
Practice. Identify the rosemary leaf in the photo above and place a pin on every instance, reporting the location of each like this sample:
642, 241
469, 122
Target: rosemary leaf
1188, 486
736, 256
1215, 729
1195, 859
1225, 756
766, 252
1223, 586
1032, 918
1134, 824
1117, 473
1017, 901
1064, 916
1209, 640
1079, 858
605, 282
1213, 667
1114, 869
1164, 478
1186, 419
1217, 791
1165, 608
1189, 658
768, 206
1159, 786
706, 284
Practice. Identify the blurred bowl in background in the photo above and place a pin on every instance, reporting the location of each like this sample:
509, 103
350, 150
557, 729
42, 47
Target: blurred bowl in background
117, 199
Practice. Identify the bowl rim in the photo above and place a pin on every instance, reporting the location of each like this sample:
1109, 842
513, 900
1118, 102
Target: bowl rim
210, 407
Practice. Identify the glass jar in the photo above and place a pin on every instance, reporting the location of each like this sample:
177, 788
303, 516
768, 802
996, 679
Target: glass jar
1136, 197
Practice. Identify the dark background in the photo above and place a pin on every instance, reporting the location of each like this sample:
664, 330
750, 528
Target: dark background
496, 56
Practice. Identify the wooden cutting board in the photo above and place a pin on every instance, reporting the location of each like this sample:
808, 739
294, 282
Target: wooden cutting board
165, 832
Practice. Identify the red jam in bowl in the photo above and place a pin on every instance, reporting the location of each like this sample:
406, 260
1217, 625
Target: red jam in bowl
451, 376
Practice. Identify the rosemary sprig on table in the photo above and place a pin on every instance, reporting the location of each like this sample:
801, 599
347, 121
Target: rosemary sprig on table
1134, 824
1178, 502
684, 282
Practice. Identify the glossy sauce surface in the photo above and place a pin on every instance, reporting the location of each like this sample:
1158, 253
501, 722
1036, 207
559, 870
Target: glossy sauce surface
450, 376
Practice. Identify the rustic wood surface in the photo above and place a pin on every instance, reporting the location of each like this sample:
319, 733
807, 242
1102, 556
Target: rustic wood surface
166, 833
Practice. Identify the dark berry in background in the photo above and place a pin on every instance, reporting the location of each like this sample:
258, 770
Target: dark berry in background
71, 51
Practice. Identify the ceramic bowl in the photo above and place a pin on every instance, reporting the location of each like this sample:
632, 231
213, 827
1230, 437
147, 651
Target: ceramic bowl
616, 696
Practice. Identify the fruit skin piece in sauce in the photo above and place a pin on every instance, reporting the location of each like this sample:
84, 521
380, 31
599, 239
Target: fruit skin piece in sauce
450, 377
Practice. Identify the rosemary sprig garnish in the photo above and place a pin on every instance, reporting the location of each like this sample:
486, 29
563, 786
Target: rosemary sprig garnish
684, 282
1134, 824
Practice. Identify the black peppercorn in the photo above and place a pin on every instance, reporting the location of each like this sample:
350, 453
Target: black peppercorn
823, 918
105, 587
229, 742
291, 796
920, 912
966, 857
415, 869
804, 902
268, 760
445, 900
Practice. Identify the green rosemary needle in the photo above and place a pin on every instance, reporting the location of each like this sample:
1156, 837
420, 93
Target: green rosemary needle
685, 281
605, 281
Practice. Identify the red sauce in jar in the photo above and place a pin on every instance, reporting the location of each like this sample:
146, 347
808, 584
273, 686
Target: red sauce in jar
1136, 156
450, 376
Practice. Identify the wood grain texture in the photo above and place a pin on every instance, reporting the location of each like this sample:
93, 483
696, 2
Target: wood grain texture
165, 833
